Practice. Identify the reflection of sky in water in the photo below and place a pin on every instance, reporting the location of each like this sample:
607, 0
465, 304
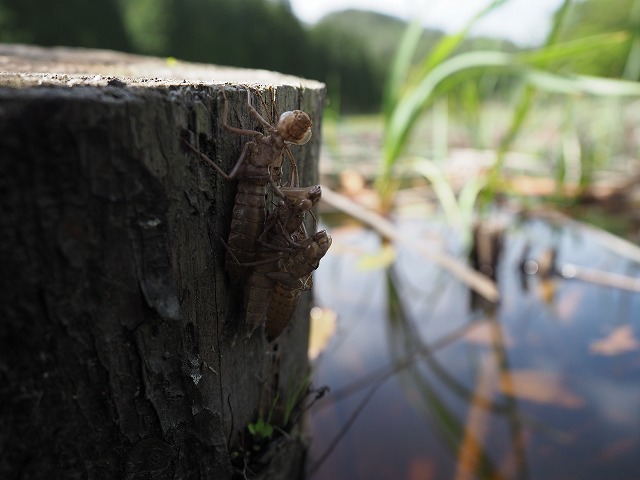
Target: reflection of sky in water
574, 414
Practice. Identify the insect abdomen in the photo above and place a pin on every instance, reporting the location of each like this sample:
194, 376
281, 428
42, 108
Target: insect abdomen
281, 309
246, 226
257, 299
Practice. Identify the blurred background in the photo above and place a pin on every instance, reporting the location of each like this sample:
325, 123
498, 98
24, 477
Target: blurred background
478, 313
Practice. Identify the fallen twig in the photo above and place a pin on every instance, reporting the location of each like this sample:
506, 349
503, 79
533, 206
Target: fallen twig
608, 240
599, 277
480, 283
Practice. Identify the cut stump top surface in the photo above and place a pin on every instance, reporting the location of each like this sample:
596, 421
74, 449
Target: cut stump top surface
25, 65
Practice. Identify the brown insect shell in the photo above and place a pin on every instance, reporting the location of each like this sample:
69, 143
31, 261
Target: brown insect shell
323, 239
295, 271
298, 201
295, 127
302, 198
312, 193
264, 159
295, 220
306, 260
319, 247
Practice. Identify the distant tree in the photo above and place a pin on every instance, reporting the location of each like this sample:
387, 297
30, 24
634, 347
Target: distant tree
350, 51
251, 33
346, 65
63, 22
148, 24
284, 3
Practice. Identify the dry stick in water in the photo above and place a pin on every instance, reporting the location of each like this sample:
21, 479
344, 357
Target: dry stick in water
475, 280
612, 242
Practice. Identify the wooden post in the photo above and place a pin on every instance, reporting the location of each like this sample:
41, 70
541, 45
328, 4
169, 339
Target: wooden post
120, 350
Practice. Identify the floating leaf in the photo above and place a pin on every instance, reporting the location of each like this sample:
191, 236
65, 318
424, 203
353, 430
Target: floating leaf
421, 469
538, 387
568, 304
618, 449
352, 182
484, 333
381, 259
620, 340
323, 327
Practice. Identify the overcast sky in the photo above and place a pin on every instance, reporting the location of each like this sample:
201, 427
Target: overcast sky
523, 21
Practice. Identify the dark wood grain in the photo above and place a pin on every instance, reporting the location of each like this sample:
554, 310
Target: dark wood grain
120, 347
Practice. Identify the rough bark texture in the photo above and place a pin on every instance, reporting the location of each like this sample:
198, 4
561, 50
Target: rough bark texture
121, 345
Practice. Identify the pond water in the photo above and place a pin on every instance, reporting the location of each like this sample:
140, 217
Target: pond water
425, 385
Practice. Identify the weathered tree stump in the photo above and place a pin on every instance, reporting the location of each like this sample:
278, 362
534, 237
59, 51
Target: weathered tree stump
122, 353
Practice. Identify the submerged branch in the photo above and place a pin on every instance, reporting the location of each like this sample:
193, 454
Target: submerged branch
600, 277
608, 240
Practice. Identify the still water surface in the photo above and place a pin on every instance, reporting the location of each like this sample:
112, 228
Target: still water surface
545, 385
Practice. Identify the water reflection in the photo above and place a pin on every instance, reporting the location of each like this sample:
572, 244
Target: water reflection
426, 385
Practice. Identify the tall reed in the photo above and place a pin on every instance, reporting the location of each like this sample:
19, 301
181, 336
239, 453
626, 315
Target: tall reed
413, 87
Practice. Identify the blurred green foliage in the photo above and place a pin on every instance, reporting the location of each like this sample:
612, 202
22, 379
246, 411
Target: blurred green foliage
586, 18
243, 33
475, 80
351, 51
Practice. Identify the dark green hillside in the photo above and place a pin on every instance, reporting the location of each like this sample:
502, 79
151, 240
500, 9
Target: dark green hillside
357, 47
379, 33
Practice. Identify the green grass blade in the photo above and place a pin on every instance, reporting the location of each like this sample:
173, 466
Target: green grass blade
467, 199
392, 96
581, 84
414, 102
401, 66
522, 108
632, 67
449, 43
570, 49
442, 187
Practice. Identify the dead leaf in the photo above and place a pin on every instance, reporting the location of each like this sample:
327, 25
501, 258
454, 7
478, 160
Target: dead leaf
538, 387
352, 182
379, 260
568, 304
547, 290
617, 450
323, 327
620, 340
421, 469
532, 186
484, 333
